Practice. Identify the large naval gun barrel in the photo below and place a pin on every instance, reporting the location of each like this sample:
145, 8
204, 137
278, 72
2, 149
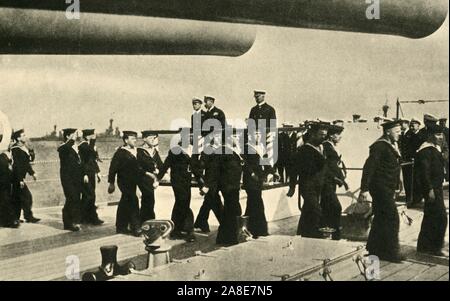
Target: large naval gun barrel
201, 27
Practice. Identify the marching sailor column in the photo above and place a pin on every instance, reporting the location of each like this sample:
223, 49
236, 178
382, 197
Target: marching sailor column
71, 173
381, 179
310, 165
23, 200
150, 161
89, 157
125, 166
430, 173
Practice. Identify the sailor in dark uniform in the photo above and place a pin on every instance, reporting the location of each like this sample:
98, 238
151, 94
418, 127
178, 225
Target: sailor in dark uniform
331, 207
125, 166
310, 170
210, 161
381, 179
409, 145
7, 215
430, 171
150, 161
179, 162
72, 177
445, 148
22, 158
254, 174
89, 156
422, 136
212, 114
231, 163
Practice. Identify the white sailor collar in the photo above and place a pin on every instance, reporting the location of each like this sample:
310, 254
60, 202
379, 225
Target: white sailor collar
152, 151
132, 151
427, 145
393, 145
21, 147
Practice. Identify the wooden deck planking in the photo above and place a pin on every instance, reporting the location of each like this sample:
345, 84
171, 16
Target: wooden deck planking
432, 274
443, 278
408, 273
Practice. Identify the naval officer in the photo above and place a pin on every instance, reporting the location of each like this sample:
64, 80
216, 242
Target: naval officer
212, 113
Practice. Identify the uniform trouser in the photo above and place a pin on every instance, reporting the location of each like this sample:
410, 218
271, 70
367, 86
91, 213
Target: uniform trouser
257, 222
128, 210
147, 211
88, 198
228, 229
417, 195
71, 212
281, 167
331, 211
182, 215
383, 238
212, 202
434, 223
311, 214
7, 215
23, 200
407, 172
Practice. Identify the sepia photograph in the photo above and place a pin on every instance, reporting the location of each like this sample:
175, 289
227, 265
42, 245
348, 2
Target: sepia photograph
224, 141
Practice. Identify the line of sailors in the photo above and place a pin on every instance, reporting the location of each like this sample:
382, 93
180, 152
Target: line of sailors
411, 139
381, 180
316, 169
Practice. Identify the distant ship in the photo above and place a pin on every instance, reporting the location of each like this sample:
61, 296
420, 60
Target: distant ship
110, 134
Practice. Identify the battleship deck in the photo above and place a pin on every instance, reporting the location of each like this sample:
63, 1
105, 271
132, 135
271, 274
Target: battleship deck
39, 251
